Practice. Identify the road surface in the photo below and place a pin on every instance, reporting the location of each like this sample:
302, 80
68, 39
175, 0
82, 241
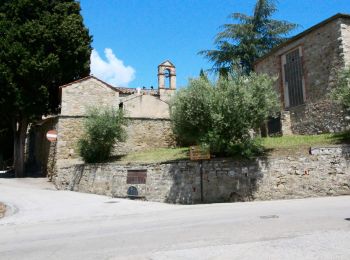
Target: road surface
43, 223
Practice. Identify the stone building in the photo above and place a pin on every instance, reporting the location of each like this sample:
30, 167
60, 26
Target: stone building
147, 111
306, 67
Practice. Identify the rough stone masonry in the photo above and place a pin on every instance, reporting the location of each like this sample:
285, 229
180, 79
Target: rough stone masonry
307, 66
147, 112
324, 174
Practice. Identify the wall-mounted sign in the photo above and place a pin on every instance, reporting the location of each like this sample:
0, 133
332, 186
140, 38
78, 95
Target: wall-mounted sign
136, 177
51, 135
198, 153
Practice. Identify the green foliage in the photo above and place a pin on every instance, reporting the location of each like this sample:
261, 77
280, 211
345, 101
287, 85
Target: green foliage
44, 44
203, 75
223, 114
191, 111
341, 92
103, 128
240, 44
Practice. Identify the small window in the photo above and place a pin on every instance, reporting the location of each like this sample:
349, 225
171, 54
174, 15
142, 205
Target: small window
136, 177
293, 78
121, 105
167, 75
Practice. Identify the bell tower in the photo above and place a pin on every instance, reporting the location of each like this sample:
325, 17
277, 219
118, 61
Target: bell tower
166, 73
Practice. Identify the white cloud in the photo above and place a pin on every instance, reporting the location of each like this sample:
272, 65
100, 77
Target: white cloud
111, 70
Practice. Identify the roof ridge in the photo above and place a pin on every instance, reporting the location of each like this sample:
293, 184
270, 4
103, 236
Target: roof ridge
91, 77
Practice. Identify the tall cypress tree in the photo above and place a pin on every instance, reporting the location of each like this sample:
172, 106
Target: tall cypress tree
43, 44
241, 43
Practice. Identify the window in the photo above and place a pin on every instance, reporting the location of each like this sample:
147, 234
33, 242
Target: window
167, 75
136, 177
293, 78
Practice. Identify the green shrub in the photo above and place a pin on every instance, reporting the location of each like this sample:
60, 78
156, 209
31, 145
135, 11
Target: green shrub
341, 92
190, 111
222, 115
103, 128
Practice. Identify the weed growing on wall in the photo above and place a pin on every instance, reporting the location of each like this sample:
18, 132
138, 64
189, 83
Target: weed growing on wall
103, 128
223, 113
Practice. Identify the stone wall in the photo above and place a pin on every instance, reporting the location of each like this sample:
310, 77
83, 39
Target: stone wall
149, 124
70, 129
319, 117
142, 135
323, 55
79, 96
145, 106
345, 30
324, 174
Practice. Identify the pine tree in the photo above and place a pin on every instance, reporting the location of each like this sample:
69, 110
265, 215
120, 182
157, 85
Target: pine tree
203, 75
241, 43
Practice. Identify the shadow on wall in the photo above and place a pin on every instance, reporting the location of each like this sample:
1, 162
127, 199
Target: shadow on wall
40, 153
76, 177
223, 181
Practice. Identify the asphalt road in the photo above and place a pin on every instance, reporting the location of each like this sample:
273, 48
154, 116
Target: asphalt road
43, 223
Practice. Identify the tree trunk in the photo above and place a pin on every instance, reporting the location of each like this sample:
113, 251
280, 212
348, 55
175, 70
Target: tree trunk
20, 131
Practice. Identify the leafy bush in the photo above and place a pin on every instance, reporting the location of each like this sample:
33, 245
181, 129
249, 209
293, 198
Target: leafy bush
341, 92
103, 128
191, 111
222, 114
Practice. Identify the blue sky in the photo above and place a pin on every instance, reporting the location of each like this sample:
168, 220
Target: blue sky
131, 37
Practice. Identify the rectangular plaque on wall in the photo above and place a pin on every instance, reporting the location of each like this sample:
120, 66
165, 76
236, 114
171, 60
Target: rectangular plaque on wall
136, 177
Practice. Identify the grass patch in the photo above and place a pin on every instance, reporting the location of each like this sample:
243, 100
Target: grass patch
300, 144
157, 155
305, 140
284, 145
295, 141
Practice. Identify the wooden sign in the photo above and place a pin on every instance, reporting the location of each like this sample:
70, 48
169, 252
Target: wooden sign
198, 153
51, 135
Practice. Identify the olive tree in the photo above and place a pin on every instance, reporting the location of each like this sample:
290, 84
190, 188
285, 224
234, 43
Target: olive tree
103, 128
221, 115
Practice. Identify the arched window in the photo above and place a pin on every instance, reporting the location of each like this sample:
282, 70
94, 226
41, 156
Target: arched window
167, 78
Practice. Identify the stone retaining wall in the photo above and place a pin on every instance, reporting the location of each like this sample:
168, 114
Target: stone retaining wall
320, 117
223, 180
